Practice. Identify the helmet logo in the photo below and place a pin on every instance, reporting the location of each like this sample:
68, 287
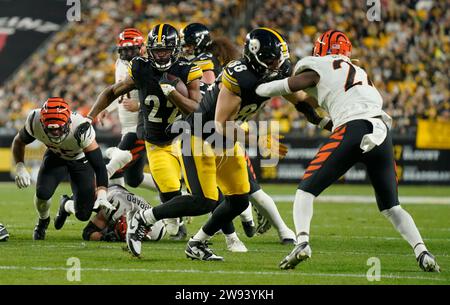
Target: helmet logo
254, 46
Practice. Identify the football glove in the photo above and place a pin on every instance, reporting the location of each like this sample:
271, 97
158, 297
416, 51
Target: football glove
23, 178
167, 86
270, 146
102, 201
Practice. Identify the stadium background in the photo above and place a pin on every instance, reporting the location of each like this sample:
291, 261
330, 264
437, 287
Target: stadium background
43, 54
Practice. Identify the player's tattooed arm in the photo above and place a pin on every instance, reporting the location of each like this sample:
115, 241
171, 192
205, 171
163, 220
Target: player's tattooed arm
109, 94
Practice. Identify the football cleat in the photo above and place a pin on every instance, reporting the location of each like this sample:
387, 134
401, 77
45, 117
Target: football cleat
39, 229
61, 217
287, 237
249, 228
427, 262
300, 253
136, 231
263, 224
199, 250
4, 235
235, 245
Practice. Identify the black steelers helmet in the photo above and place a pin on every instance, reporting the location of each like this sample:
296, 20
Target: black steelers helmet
196, 35
163, 46
263, 45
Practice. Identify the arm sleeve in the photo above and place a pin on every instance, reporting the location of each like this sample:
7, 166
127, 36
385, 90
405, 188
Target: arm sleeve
25, 137
95, 158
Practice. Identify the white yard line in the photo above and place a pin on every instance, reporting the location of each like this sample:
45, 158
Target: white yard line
368, 199
284, 273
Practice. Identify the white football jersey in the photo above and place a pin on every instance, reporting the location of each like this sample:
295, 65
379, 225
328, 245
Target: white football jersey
124, 202
128, 119
68, 149
344, 89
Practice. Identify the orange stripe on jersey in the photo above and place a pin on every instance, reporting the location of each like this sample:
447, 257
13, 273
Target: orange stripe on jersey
312, 168
306, 176
137, 149
328, 146
321, 157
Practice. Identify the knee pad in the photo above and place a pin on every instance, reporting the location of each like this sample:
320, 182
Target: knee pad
82, 215
167, 196
43, 192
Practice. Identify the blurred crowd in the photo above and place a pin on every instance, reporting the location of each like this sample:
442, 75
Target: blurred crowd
405, 53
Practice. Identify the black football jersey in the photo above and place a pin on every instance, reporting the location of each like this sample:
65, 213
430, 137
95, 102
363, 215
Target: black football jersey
208, 62
238, 78
158, 112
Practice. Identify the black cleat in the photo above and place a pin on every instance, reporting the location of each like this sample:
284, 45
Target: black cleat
61, 217
4, 235
39, 229
249, 228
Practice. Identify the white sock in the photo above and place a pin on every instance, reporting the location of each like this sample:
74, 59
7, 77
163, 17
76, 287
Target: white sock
69, 206
303, 212
405, 225
247, 215
42, 207
149, 217
231, 236
267, 207
120, 181
201, 236
148, 182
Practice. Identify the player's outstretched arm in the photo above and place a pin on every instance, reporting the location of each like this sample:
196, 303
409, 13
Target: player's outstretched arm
288, 85
109, 94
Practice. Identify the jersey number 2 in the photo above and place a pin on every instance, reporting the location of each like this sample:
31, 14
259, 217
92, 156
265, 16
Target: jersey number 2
350, 82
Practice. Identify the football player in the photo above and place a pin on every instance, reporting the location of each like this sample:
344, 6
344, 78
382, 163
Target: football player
211, 55
128, 159
163, 50
71, 149
361, 133
232, 99
111, 225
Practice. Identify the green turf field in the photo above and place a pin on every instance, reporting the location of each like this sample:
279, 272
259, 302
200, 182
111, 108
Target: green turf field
344, 237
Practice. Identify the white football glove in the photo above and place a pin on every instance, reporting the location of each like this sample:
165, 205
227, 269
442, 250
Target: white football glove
23, 178
102, 201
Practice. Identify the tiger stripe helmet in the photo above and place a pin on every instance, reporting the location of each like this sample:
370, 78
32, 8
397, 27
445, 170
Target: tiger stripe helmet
55, 119
129, 43
332, 42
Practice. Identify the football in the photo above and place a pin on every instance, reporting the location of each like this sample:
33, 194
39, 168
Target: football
181, 86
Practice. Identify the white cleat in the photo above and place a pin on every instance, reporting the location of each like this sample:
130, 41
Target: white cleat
199, 250
287, 237
427, 262
300, 253
236, 245
136, 231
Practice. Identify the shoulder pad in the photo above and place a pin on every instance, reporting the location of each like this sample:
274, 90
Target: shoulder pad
236, 76
135, 67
